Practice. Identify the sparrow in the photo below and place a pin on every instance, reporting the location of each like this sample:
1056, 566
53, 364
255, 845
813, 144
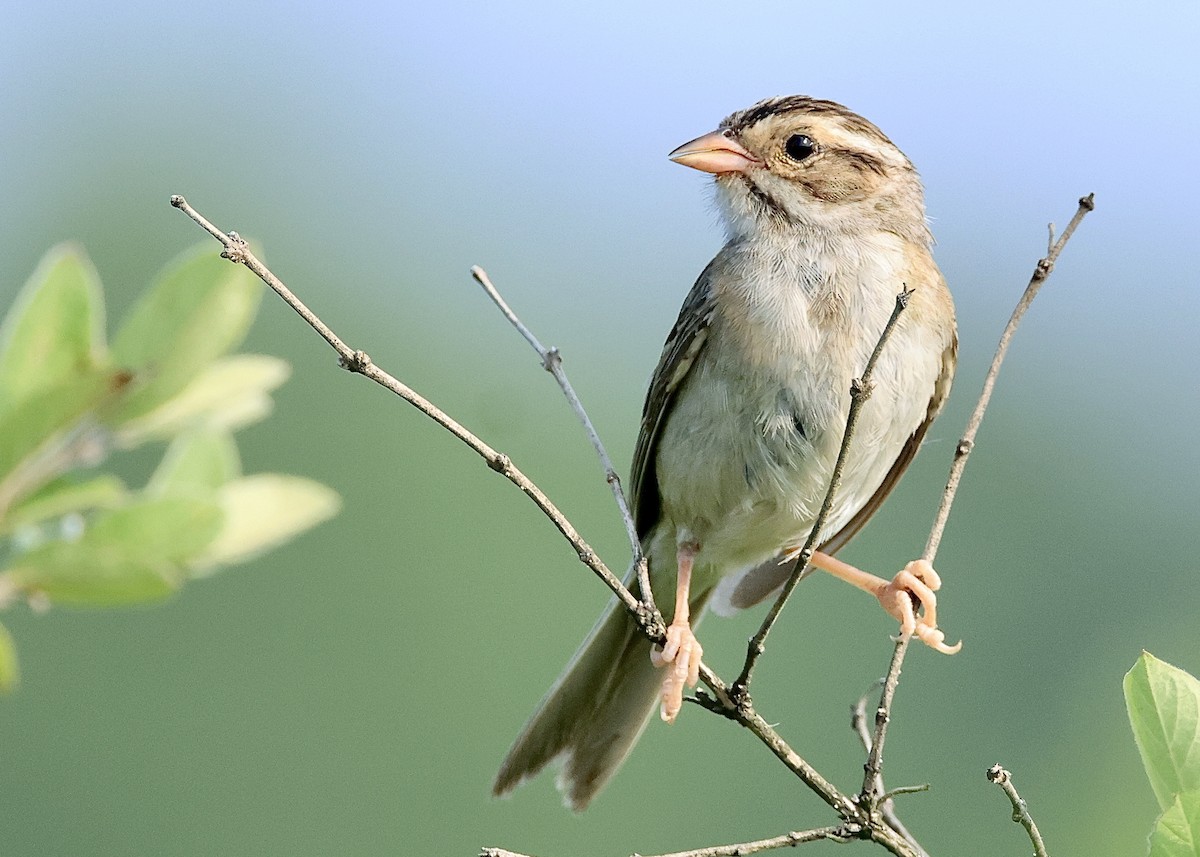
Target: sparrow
744, 416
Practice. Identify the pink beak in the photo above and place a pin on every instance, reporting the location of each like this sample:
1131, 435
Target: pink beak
714, 153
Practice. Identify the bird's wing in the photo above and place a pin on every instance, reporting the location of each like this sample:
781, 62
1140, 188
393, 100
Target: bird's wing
760, 582
941, 389
683, 346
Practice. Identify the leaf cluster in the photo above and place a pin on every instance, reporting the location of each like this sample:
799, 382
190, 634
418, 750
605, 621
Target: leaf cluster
72, 533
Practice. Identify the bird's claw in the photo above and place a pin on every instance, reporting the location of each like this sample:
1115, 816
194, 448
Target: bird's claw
914, 588
681, 655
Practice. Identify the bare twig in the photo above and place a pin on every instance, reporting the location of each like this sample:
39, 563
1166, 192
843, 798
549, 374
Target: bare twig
358, 361
860, 391
787, 840
1020, 814
1040, 273
906, 790
552, 362
887, 808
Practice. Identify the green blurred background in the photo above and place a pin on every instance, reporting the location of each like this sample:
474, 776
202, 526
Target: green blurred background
354, 692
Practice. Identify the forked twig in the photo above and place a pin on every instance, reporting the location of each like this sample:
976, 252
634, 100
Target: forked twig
887, 808
552, 362
359, 362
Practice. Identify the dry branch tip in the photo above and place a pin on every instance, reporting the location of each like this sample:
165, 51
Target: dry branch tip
1020, 810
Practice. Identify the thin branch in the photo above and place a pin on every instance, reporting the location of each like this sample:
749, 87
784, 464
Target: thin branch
887, 807
873, 768
906, 790
1040, 273
787, 840
1020, 814
552, 362
357, 361
860, 391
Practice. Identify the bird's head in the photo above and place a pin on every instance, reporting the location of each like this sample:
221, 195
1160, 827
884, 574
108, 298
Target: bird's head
802, 162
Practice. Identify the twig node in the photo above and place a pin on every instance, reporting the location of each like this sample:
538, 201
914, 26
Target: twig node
358, 361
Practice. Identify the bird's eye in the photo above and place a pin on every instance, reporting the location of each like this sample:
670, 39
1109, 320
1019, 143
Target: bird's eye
799, 147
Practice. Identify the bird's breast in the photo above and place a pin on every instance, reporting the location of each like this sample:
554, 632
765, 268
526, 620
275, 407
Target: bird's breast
748, 450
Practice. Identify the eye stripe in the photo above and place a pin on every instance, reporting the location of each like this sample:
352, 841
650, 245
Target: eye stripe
862, 161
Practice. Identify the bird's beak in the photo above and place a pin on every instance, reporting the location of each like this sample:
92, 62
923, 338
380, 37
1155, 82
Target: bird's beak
714, 153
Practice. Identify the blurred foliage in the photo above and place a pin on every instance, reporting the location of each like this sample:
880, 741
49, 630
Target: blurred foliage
72, 535
1164, 709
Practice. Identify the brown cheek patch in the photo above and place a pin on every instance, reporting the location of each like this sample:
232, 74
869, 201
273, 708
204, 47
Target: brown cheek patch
845, 176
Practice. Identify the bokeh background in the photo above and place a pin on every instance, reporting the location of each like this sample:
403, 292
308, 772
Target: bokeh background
355, 692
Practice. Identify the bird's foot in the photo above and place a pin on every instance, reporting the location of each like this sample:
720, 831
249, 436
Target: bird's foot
914, 588
681, 656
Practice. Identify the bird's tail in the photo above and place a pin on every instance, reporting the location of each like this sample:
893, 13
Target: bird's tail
594, 713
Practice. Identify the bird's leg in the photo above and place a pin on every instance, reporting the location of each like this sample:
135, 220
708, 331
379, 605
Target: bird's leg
682, 652
912, 588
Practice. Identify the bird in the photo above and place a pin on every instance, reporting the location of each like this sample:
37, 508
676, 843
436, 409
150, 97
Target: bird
745, 412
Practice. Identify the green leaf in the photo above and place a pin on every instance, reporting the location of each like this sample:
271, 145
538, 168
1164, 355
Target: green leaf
1164, 710
64, 496
85, 575
1177, 833
37, 419
197, 310
170, 528
264, 511
230, 393
132, 554
196, 463
10, 670
55, 328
